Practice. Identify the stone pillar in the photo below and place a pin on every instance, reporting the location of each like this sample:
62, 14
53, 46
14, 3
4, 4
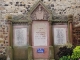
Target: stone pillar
70, 20
9, 47
30, 33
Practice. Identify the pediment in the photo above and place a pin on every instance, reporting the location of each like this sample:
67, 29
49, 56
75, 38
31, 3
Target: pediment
40, 12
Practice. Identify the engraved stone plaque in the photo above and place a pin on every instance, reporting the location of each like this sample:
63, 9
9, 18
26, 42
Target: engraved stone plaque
20, 36
40, 33
59, 36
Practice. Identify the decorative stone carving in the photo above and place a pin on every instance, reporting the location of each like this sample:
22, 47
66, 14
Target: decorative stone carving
39, 14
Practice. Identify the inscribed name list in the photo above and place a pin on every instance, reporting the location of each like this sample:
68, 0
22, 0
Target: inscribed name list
20, 37
40, 34
59, 36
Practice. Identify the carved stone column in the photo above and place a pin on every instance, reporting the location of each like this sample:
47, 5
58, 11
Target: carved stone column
9, 50
70, 20
30, 33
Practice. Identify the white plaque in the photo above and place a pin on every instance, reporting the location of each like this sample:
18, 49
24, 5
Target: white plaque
40, 31
59, 36
20, 36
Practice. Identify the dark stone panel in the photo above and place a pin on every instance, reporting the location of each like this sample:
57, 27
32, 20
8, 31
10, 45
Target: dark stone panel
54, 0
21, 4
6, 5
42, 0
52, 5
11, 3
17, 2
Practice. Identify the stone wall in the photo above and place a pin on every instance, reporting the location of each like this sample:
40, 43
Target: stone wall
21, 7
60, 7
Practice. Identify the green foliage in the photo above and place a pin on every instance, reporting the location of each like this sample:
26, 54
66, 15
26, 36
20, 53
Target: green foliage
76, 53
65, 51
65, 58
